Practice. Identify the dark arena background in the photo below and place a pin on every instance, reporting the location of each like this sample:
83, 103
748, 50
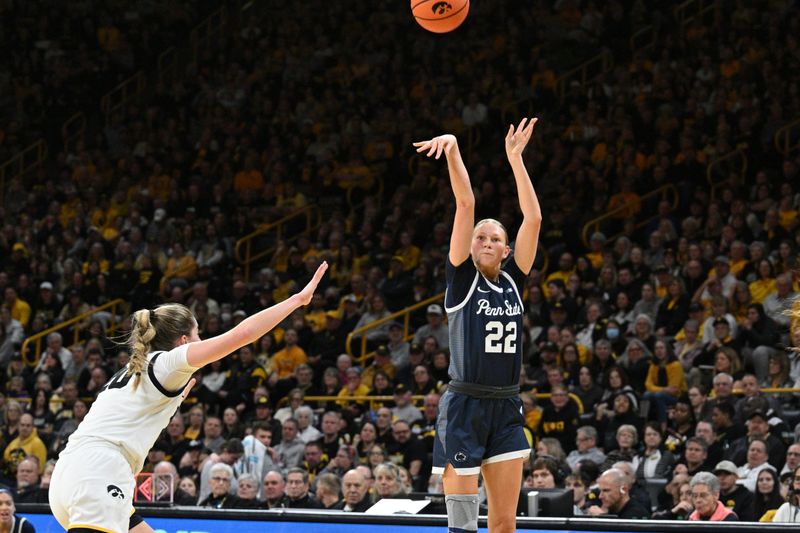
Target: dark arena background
214, 153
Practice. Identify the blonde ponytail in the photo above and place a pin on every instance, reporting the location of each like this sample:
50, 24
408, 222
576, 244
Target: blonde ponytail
142, 334
156, 330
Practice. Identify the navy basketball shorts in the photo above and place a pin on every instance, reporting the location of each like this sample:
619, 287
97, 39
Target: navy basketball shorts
471, 432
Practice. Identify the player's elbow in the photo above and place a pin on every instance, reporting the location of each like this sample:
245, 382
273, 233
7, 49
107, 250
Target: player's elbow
466, 201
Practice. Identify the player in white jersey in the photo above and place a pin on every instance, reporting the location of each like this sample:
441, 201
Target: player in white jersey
480, 424
94, 479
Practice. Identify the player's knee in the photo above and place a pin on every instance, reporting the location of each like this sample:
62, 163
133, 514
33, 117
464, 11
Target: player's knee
502, 524
84, 530
462, 512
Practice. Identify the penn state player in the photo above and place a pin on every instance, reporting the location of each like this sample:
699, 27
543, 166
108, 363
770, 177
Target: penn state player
93, 482
479, 427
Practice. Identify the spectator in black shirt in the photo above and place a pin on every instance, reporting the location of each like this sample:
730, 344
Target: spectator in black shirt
615, 497
297, 485
560, 419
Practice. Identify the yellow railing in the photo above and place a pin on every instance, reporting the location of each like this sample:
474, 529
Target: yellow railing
787, 139
416, 399
114, 103
585, 72
403, 314
73, 131
716, 175
246, 255
665, 192
209, 31
687, 11
114, 308
28, 159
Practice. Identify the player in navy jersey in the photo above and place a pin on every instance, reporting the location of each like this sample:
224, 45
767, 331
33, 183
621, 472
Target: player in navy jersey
480, 422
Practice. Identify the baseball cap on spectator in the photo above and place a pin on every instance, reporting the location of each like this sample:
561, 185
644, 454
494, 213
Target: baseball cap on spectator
401, 389
239, 312
720, 322
195, 445
661, 268
159, 214
721, 259
434, 309
46, 286
160, 446
694, 307
263, 401
558, 306
73, 292
350, 299
395, 325
726, 466
399, 259
354, 370
758, 413
415, 348
382, 350
332, 314
19, 247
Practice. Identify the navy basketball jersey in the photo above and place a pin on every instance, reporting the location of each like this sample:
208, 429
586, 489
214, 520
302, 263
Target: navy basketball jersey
485, 321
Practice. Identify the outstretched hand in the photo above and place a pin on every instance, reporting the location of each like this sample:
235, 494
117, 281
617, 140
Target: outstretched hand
308, 291
437, 145
517, 140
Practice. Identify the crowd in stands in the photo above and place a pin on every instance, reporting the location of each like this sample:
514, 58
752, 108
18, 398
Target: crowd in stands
61, 58
658, 321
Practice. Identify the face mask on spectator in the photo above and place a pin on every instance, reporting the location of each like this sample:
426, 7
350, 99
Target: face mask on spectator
612, 333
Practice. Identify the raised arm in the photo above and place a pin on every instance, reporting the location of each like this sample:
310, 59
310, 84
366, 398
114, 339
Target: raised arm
252, 328
461, 238
528, 235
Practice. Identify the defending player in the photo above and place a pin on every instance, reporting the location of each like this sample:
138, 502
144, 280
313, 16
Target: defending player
93, 482
480, 422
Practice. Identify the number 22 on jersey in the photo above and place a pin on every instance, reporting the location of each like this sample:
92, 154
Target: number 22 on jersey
500, 337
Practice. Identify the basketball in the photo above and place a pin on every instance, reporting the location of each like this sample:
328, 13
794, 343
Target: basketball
440, 16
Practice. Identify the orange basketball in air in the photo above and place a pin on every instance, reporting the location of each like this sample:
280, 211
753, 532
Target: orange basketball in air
440, 16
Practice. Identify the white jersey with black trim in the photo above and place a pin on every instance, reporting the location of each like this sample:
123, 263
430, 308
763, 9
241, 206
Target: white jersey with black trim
133, 419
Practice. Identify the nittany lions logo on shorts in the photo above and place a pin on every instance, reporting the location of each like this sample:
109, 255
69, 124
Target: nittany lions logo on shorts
460, 457
115, 492
440, 8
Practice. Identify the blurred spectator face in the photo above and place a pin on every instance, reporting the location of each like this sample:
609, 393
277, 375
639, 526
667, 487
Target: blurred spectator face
543, 479
383, 418
27, 474
247, 489
723, 386
756, 454
312, 455
705, 431
289, 431
274, 486
793, 457
694, 454
25, 426
220, 483
264, 436
431, 406
295, 486
354, 487
559, 397
750, 385
757, 426
212, 428
330, 425
401, 432
187, 485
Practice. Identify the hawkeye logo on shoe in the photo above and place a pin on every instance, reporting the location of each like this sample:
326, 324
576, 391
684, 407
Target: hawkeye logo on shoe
115, 492
460, 457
